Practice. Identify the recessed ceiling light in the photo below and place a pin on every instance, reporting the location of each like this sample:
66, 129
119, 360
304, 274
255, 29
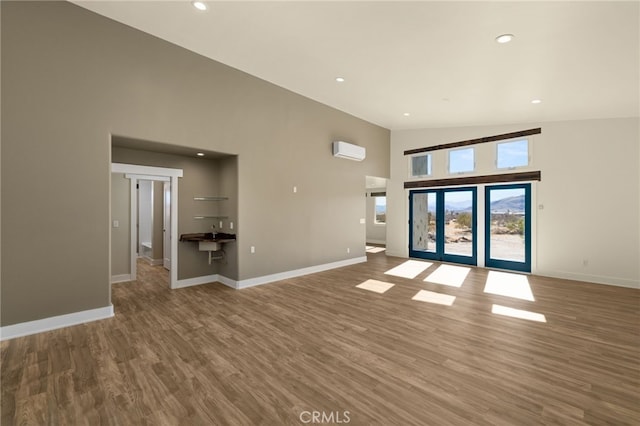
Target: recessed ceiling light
200, 5
406, 114
504, 38
200, 154
340, 79
536, 101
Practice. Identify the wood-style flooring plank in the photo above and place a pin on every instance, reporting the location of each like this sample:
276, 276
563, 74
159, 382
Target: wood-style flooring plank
210, 355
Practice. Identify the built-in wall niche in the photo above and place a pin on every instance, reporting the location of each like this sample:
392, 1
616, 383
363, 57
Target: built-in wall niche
210, 216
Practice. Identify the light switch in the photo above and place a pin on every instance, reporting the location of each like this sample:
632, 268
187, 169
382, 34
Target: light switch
295, 189
253, 249
362, 221
230, 225
116, 223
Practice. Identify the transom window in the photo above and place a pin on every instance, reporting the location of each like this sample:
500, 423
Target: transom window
461, 160
421, 165
512, 154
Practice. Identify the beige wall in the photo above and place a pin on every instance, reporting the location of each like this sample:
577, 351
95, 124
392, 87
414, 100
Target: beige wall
71, 78
589, 194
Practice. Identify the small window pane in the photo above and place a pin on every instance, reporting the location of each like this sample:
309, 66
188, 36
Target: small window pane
513, 154
421, 165
381, 210
461, 160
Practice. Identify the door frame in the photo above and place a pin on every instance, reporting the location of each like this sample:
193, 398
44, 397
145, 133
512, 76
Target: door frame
166, 224
134, 173
528, 225
439, 254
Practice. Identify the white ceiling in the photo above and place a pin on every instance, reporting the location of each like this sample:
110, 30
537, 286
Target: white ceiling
437, 61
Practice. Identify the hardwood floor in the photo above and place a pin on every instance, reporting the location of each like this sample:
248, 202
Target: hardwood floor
274, 354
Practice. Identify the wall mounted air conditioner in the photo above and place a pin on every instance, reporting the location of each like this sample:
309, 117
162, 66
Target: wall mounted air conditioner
349, 151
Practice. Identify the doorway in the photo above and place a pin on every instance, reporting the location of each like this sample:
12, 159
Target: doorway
508, 227
443, 224
137, 173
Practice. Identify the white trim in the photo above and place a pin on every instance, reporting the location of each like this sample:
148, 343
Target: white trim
265, 279
298, 272
145, 170
53, 323
188, 282
134, 172
173, 272
120, 278
133, 235
228, 281
147, 177
594, 279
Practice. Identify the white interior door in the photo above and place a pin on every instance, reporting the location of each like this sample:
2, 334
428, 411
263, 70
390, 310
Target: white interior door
166, 228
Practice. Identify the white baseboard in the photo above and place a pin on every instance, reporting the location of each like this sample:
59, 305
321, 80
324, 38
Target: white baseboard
228, 281
395, 254
120, 278
251, 282
205, 279
596, 279
298, 272
53, 323
151, 261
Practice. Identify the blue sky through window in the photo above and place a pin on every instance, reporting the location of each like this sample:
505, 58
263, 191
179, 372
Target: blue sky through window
461, 160
513, 154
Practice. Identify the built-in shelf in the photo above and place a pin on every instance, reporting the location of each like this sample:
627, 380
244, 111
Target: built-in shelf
210, 217
214, 198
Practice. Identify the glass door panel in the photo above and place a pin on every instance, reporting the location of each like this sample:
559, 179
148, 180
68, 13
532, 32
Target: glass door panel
508, 217
459, 224
423, 213
443, 224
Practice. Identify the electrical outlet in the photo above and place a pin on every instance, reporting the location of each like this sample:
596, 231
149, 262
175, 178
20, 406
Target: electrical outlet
348, 250
116, 224
295, 189
230, 225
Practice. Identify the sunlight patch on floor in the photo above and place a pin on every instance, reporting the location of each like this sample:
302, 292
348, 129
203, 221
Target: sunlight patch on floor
409, 269
375, 286
510, 285
374, 249
433, 297
518, 313
450, 275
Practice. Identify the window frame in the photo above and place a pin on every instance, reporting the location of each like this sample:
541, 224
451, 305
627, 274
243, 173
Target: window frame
466, 148
375, 211
429, 165
497, 144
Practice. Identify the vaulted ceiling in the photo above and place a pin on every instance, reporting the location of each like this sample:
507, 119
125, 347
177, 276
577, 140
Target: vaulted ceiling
419, 64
